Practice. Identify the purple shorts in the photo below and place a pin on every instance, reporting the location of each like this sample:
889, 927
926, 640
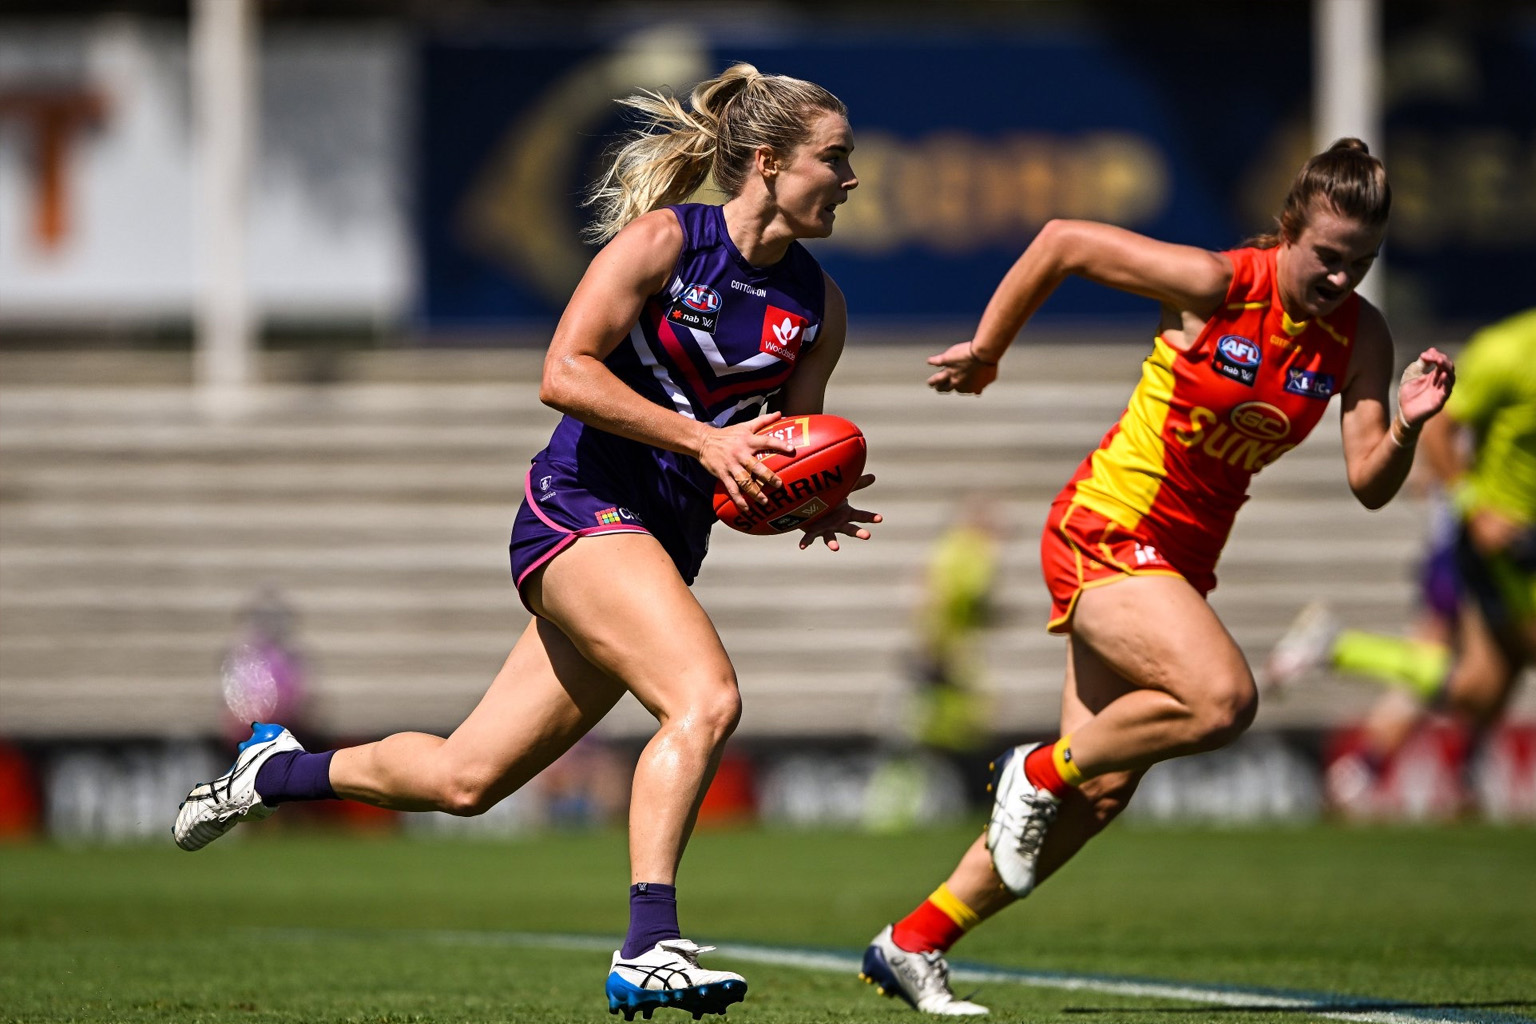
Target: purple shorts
1439, 575
562, 502
1440, 581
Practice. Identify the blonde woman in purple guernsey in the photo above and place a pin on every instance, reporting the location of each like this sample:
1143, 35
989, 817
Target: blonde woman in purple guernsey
693, 327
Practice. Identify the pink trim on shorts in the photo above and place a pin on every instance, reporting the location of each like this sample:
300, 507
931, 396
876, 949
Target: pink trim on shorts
570, 535
570, 538
534, 504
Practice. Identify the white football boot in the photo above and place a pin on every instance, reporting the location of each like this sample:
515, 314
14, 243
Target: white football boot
213, 808
1022, 813
922, 979
1305, 647
668, 974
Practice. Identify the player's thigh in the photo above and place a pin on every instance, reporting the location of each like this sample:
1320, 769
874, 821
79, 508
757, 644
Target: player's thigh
1483, 672
1091, 685
627, 610
545, 698
1157, 632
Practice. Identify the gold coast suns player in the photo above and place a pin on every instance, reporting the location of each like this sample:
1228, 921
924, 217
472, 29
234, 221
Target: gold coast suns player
1252, 345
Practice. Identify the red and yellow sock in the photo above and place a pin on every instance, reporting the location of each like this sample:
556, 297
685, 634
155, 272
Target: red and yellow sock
936, 925
1052, 768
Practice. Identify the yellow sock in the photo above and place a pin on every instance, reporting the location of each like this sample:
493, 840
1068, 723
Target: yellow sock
1061, 757
954, 907
1412, 664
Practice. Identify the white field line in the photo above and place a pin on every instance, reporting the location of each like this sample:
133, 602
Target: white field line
1322, 1004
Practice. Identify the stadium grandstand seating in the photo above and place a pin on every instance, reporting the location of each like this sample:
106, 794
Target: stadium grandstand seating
134, 526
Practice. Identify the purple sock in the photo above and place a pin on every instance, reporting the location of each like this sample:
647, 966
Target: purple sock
652, 917
295, 775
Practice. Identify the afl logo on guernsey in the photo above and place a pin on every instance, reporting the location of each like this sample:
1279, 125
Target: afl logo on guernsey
1260, 420
698, 306
1237, 358
701, 297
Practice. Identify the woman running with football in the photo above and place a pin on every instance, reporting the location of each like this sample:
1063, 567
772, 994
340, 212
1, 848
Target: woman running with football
1252, 344
690, 325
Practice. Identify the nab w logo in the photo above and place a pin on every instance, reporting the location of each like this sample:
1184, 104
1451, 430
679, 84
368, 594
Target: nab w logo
1146, 554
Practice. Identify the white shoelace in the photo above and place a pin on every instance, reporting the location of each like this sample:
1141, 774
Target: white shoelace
1038, 811
936, 978
687, 950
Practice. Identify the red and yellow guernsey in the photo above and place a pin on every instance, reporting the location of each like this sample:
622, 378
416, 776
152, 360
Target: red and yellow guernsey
1172, 473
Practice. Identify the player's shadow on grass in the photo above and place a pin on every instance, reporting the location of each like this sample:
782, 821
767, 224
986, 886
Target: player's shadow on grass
1321, 1006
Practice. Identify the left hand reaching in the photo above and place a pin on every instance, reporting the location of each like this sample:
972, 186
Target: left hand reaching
959, 370
1425, 386
842, 519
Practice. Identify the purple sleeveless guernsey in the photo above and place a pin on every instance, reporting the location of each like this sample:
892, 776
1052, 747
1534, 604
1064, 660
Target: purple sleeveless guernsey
716, 345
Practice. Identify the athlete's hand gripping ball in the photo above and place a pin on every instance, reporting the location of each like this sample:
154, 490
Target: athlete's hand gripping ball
805, 467
844, 519
733, 453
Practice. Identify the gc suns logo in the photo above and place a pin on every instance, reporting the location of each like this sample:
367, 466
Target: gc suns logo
1260, 420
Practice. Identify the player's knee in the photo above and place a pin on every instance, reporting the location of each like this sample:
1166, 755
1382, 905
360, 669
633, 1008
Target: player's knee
705, 711
1226, 713
1477, 700
717, 712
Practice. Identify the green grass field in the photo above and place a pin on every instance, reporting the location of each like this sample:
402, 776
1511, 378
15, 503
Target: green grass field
280, 926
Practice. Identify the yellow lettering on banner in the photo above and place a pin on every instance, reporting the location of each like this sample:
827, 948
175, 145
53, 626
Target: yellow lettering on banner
1467, 188
958, 191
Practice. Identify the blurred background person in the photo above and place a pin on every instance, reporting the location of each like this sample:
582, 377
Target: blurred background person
264, 675
1479, 588
951, 712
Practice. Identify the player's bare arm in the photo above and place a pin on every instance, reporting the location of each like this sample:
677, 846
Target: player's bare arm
806, 389
605, 306
1379, 444
1182, 277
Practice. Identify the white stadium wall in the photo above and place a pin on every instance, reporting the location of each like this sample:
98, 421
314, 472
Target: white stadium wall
96, 174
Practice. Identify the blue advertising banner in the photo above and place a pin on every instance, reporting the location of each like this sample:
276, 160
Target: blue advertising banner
969, 140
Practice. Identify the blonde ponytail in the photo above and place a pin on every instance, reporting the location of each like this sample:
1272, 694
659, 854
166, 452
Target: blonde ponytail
675, 148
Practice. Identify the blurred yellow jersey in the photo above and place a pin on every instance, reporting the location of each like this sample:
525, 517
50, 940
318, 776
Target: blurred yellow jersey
1495, 396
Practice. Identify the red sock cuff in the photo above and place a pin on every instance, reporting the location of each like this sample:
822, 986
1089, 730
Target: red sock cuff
1040, 769
926, 928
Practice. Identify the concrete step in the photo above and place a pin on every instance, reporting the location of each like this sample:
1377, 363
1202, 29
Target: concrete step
134, 528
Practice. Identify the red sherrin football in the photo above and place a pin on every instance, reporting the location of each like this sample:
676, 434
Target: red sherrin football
828, 459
